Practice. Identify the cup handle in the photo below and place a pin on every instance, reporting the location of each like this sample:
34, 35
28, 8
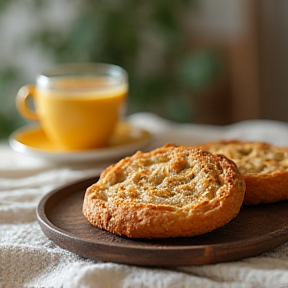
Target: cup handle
21, 102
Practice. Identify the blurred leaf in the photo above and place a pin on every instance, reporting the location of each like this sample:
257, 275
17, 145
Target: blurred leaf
6, 126
9, 118
3, 4
180, 110
199, 70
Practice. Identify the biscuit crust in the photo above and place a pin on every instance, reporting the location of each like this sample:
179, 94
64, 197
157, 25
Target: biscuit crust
173, 191
263, 166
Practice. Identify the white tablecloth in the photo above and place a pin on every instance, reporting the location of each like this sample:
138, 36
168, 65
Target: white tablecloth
29, 259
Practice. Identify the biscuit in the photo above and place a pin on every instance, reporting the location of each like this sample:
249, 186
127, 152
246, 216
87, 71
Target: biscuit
173, 191
263, 166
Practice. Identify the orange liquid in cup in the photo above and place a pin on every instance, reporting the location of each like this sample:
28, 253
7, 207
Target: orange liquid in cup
78, 117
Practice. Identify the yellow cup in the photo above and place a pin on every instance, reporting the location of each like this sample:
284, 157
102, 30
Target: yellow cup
78, 105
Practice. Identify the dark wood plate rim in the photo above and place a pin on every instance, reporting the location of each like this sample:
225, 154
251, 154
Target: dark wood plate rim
271, 240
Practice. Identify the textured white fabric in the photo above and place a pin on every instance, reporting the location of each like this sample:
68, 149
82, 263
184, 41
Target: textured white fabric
29, 259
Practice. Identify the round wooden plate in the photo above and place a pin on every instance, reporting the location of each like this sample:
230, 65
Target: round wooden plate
255, 230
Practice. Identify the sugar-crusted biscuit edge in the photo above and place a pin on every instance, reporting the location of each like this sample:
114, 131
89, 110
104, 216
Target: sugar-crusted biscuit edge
140, 220
261, 188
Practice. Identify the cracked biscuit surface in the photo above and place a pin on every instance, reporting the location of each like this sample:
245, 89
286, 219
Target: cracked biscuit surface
172, 191
263, 166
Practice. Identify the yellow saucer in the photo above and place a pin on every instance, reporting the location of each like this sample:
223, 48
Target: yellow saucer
31, 140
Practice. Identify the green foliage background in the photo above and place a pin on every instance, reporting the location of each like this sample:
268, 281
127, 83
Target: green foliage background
149, 38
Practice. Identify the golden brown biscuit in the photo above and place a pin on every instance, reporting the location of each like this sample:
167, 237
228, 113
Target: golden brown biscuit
169, 192
263, 166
